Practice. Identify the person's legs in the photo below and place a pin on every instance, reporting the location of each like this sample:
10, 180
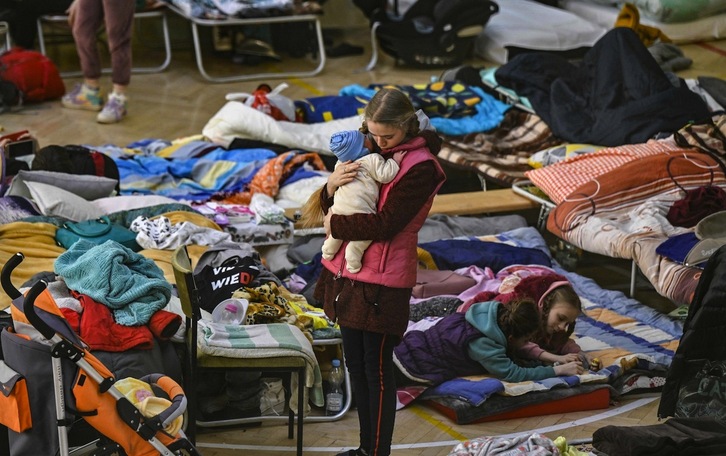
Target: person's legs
331, 247
119, 19
354, 254
369, 358
353, 347
88, 18
382, 391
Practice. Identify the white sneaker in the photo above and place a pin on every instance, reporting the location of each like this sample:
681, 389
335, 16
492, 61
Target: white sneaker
272, 399
114, 110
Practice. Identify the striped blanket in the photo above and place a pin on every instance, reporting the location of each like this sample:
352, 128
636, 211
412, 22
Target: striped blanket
635, 345
263, 341
622, 214
500, 155
622, 342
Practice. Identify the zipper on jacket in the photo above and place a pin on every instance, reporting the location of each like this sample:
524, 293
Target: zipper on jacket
335, 305
376, 307
384, 255
339, 274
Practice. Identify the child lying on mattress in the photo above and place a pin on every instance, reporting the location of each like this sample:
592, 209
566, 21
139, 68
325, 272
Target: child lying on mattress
559, 305
483, 340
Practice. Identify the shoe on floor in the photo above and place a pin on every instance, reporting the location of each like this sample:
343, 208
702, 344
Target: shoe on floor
343, 49
356, 452
83, 97
114, 110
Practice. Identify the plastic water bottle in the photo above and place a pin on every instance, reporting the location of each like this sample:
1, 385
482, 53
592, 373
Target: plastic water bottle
230, 311
230, 315
334, 399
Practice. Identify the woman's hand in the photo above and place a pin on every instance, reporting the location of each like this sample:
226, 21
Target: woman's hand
341, 175
571, 368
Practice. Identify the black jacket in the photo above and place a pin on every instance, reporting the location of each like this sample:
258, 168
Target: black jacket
617, 95
703, 332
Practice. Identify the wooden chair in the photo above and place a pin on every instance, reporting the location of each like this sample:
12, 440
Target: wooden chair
196, 361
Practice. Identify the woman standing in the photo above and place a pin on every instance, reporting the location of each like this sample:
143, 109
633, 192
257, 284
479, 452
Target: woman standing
372, 305
85, 18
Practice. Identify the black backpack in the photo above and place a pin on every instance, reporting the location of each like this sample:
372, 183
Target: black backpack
73, 159
10, 96
433, 33
696, 380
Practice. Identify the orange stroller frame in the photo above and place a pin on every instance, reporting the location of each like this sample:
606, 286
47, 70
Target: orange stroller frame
92, 394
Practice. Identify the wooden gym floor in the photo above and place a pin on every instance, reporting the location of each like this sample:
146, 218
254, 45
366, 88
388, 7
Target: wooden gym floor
178, 102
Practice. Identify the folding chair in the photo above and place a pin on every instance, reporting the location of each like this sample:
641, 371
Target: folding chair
200, 22
195, 361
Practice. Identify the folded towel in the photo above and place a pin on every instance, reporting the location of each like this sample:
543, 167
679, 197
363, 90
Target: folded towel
263, 341
111, 274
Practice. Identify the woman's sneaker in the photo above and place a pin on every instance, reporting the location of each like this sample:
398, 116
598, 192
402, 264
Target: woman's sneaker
114, 110
83, 97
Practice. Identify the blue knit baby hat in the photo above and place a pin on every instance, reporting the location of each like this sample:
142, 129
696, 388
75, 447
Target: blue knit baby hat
348, 145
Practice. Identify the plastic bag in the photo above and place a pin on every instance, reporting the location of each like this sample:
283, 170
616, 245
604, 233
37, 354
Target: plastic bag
266, 211
702, 394
268, 100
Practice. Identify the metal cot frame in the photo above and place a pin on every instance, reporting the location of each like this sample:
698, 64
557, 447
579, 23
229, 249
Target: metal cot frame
154, 14
198, 22
546, 206
310, 418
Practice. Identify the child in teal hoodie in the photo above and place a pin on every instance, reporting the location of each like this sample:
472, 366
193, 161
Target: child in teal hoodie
480, 341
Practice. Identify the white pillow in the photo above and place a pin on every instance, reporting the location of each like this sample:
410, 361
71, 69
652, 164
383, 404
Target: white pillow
531, 25
86, 186
237, 120
128, 202
298, 192
54, 201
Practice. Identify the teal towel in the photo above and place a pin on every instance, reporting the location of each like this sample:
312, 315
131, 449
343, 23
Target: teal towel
132, 285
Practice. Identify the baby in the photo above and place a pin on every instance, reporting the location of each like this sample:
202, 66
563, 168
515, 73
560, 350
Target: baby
361, 194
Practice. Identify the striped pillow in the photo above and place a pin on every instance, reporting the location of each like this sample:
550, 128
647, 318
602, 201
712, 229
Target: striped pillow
561, 179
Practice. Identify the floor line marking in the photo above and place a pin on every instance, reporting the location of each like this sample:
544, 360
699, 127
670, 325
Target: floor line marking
298, 82
711, 48
590, 419
306, 86
421, 413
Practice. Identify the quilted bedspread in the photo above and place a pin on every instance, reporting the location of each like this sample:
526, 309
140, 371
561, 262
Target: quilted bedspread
500, 155
623, 214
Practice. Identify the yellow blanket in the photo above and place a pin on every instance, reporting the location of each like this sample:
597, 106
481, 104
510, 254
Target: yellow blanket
36, 241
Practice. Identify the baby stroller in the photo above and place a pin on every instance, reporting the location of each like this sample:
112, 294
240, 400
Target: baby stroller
43, 357
431, 33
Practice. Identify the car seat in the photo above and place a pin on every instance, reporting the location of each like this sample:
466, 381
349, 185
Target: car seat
431, 33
